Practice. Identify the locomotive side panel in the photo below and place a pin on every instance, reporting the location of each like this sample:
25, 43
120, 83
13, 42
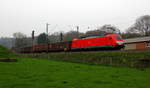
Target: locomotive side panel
90, 43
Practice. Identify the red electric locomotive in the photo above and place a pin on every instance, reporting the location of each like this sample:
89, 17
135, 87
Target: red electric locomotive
110, 41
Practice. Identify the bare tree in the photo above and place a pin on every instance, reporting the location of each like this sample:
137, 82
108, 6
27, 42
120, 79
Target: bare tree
20, 40
55, 37
108, 28
94, 33
141, 26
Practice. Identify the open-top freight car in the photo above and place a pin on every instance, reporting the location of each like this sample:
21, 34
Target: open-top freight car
53, 47
60, 46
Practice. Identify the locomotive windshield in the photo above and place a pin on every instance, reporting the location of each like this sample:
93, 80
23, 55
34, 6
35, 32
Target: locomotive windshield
118, 37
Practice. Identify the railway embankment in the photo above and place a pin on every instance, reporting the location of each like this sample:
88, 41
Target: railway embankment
7, 55
128, 59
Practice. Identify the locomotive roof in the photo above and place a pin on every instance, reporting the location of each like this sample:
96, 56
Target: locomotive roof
99, 36
92, 37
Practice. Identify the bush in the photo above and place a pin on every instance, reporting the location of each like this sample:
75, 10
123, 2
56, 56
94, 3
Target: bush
6, 53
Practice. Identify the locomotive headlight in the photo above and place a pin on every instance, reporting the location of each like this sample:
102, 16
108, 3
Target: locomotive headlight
119, 42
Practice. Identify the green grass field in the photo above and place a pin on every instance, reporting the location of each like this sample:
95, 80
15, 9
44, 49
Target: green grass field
42, 73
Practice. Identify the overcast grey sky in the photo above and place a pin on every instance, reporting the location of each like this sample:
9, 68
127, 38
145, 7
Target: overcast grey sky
26, 15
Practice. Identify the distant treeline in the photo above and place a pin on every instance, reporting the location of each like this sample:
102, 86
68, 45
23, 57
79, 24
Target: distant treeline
7, 42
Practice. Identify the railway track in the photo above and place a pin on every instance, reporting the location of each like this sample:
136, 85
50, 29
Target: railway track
102, 51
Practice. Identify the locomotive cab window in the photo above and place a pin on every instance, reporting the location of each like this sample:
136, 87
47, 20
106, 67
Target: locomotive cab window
110, 38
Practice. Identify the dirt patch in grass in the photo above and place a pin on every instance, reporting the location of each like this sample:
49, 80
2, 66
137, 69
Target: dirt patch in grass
8, 60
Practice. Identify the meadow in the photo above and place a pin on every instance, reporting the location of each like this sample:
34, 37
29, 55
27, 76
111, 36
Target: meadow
43, 73
73, 70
